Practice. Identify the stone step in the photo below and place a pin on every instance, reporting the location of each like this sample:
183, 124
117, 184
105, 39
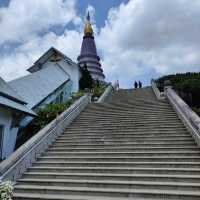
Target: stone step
129, 110
76, 126
125, 134
111, 184
119, 117
123, 149
130, 103
115, 177
130, 131
130, 113
135, 142
121, 128
120, 170
108, 192
120, 158
30, 196
156, 144
117, 154
113, 137
164, 164
129, 121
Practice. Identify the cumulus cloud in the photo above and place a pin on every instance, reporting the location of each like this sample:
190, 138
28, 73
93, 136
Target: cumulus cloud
26, 32
15, 64
21, 21
143, 38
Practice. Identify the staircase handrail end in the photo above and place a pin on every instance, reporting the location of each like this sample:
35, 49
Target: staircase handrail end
159, 95
108, 91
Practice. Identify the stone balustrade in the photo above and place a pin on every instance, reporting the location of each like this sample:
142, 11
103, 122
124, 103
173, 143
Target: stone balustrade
13, 167
186, 114
108, 91
159, 95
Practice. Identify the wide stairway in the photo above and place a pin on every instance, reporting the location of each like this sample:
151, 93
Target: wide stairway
133, 147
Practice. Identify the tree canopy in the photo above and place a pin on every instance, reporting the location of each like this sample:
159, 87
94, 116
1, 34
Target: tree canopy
86, 80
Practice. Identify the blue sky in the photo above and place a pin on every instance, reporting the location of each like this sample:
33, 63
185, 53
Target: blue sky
136, 39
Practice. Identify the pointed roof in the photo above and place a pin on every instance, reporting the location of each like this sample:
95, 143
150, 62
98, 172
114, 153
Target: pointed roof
88, 16
47, 55
8, 92
88, 31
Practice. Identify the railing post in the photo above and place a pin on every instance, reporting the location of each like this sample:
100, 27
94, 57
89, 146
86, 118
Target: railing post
108, 91
167, 85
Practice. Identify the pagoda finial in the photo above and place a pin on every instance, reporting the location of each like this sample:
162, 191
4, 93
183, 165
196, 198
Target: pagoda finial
88, 16
88, 27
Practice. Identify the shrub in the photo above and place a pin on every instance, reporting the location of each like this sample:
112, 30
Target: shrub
97, 91
49, 113
77, 95
197, 110
44, 116
6, 189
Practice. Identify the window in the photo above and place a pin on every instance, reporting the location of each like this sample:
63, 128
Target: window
1, 140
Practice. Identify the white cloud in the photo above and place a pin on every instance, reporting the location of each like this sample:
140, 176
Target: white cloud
23, 19
145, 36
140, 40
25, 55
23, 23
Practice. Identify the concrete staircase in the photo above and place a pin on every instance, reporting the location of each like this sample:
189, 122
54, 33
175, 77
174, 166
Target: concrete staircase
133, 147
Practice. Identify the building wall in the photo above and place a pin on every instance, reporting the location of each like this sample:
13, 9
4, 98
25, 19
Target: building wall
74, 73
61, 95
10, 134
71, 69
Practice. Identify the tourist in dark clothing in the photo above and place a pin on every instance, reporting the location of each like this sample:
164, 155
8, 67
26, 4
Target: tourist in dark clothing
140, 84
136, 85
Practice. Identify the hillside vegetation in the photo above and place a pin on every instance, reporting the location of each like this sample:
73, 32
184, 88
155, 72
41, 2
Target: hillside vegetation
187, 85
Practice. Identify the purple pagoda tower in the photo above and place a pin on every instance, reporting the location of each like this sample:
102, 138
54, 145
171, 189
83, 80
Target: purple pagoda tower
88, 53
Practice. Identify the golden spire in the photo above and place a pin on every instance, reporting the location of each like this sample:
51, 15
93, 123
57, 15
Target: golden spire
88, 27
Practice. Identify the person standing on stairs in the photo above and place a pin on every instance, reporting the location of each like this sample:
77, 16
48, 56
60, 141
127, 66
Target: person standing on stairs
140, 84
136, 85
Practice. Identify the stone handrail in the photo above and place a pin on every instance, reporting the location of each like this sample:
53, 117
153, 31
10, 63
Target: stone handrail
13, 167
108, 91
159, 95
187, 115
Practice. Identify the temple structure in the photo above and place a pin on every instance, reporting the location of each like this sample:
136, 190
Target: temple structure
88, 53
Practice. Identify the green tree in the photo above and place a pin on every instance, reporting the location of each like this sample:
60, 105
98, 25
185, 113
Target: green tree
86, 80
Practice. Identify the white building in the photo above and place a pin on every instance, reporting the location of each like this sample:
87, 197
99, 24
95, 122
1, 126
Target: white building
12, 109
52, 79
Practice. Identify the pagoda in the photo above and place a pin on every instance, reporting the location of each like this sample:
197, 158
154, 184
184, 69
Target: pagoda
88, 55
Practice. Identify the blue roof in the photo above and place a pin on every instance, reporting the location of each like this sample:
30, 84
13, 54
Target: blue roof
5, 102
7, 91
37, 86
10, 99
